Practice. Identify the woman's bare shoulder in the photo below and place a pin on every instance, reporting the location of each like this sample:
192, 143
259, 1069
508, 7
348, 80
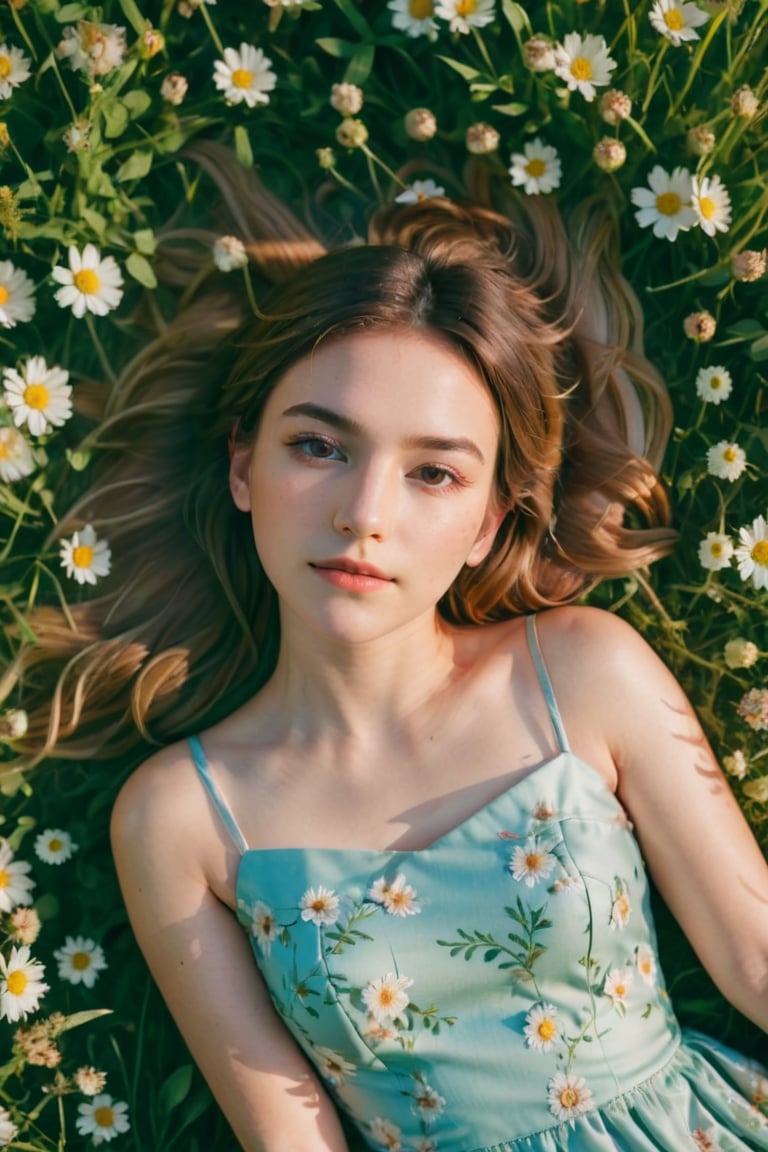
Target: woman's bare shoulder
162, 798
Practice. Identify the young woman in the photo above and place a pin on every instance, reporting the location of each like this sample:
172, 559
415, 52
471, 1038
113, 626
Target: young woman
399, 771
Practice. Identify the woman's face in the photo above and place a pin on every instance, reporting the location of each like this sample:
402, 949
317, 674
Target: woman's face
370, 482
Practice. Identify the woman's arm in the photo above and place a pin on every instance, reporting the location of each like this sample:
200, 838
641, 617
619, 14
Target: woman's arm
697, 845
202, 962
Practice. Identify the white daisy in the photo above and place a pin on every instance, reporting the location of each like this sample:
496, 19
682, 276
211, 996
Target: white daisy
568, 1096
16, 459
387, 1134
320, 905
584, 63
428, 1104
85, 557
420, 190
537, 167
414, 17
80, 961
90, 284
333, 1066
14, 69
229, 253
378, 1032
532, 863
617, 986
264, 927
8, 1130
667, 203
54, 846
466, 14
386, 998
17, 293
15, 885
92, 47
398, 898
726, 461
621, 909
752, 553
645, 961
38, 395
676, 20
102, 1118
715, 551
245, 76
713, 385
712, 204
542, 1028
21, 985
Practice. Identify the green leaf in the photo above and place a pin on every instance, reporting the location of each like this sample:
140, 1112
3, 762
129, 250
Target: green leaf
135, 167
334, 46
145, 241
96, 222
759, 350
516, 16
141, 269
463, 69
137, 101
355, 18
359, 68
77, 1019
175, 1089
746, 328
243, 148
71, 13
513, 109
116, 118
133, 15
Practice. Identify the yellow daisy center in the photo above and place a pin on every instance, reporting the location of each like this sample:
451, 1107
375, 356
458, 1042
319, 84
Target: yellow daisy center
5, 454
104, 1116
17, 981
716, 548
715, 383
54, 845
759, 552
533, 861
569, 1097
674, 20
5, 66
87, 281
620, 990
581, 68
421, 9
242, 78
668, 203
547, 1029
80, 961
465, 7
4, 878
266, 925
536, 168
707, 207
82, 556
36, 396
4, 295
729, 455
386, 997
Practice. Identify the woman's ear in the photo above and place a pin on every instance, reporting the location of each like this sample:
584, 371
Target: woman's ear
240, 476
486, 536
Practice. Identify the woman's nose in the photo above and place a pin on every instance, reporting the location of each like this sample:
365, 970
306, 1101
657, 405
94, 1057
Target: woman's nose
368, 502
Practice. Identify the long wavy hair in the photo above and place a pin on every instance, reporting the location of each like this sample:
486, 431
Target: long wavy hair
186, 628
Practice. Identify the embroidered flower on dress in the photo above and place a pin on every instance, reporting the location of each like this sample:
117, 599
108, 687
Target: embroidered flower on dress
320, 905
568, 1096
333, 1066
617, 986
397, 897
542, 1028
646, 964
620, 912
386, 998
387, 1134
428, 1104
705, 1141
532, 863
264, 928
376, 1031
544, 810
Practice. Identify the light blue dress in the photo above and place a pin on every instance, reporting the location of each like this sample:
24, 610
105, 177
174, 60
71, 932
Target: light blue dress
498, 991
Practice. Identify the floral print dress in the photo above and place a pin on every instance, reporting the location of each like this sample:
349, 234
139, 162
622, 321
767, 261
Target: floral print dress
498, 991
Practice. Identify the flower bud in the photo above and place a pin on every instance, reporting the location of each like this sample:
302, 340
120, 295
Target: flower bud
700, 140
229, 253
150, 43
744, 102
539, 54
351, 133
174, 88
326, 158
741, 653
420, 124
699, 326
614, 106
609, 154
346, 99
749, 265
736, 764
481, 138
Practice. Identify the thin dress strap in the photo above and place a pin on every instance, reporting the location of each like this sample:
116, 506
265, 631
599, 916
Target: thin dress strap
546, 684
219, 803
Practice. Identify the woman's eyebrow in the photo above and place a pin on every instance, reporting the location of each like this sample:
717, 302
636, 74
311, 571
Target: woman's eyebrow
353, 428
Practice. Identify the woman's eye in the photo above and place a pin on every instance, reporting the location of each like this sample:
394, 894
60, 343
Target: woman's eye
316, 447
435, 477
